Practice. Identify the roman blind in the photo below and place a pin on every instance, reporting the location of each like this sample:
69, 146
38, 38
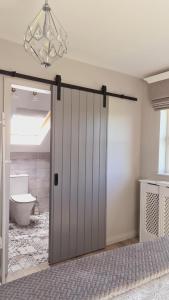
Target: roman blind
159, 94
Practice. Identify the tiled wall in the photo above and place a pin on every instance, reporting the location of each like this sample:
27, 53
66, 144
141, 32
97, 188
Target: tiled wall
37, 166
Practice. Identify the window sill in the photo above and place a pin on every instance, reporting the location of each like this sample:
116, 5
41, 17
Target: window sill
163, 174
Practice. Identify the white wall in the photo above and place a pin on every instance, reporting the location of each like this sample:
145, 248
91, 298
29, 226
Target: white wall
123, 169
13, 57
150, 141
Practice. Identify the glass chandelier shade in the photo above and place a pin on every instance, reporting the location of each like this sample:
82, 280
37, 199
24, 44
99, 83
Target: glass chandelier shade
45, 37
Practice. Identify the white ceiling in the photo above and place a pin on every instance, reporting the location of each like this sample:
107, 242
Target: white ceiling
130, 36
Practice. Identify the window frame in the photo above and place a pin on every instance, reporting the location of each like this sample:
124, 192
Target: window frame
163, 159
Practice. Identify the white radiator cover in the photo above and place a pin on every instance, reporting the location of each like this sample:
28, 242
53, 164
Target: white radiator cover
154, 209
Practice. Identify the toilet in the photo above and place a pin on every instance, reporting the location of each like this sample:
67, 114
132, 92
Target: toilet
21, 202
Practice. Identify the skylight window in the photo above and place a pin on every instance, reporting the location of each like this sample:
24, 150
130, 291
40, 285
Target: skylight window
29, 130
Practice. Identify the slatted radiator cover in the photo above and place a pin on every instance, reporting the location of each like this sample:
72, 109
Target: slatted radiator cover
154, 209
152, 213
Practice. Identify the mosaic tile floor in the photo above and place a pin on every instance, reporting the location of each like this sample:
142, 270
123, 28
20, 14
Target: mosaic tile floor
28, 246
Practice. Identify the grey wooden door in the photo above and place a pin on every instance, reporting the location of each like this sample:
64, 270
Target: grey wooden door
78, 176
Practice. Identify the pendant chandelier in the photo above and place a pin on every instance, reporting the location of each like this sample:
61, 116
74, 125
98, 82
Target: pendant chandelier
45, 37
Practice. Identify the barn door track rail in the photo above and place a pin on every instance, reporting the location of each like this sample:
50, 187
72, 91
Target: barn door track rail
58, 82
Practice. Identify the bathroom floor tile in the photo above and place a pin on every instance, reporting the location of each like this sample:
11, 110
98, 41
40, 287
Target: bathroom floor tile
28, 246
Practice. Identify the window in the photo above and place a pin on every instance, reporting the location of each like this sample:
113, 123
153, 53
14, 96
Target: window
164, 142
29, 129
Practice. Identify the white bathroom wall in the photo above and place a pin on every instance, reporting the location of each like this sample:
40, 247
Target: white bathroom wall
13, 57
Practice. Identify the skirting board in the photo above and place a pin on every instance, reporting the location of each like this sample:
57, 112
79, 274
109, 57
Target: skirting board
121, 237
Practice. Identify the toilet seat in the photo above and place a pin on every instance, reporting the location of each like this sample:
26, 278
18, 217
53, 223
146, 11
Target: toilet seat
23, 198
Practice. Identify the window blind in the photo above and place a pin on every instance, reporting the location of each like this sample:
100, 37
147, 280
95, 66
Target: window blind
159, 94
161, 103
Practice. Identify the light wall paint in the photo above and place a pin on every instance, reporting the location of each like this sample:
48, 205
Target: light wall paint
13, 57
44, 147
123, 169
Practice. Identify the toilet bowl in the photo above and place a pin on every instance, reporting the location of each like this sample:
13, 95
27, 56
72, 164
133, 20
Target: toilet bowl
21, 207
21, 202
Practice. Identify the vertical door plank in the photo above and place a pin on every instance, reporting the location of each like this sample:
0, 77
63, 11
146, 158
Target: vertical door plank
89, 173
82, 173
79, 151
66, 179
96, 170
56, 167
74, 171
103, 177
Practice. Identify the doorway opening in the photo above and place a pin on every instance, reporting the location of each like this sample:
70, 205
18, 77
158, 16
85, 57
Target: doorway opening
29, 178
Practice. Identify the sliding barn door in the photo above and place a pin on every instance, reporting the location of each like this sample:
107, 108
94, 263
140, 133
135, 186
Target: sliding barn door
78, 191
